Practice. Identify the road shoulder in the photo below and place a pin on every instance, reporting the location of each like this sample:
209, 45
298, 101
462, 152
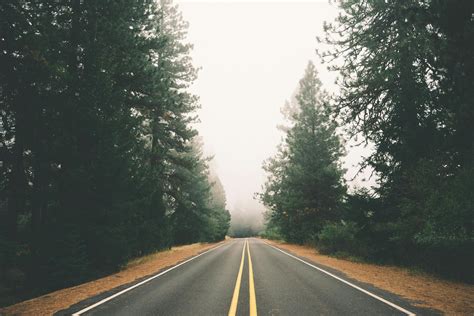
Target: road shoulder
422, 291
134, 272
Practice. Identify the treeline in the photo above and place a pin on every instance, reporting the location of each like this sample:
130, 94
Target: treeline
99, 162
406, 87
245, 223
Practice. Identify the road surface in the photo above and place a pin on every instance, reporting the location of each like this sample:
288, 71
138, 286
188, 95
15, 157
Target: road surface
247, 277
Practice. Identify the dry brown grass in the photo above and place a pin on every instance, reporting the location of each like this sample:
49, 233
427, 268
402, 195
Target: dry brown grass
451, 298
136, 269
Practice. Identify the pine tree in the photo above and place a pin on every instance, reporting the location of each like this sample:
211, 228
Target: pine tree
304, 189
219, 217
406, 86
94, 135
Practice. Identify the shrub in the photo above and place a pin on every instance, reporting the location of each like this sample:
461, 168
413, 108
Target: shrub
272, 233
338, 237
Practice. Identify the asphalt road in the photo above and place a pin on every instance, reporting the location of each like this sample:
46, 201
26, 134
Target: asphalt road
223, 281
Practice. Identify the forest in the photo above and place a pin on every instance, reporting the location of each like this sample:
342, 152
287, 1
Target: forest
99, 159
406, 89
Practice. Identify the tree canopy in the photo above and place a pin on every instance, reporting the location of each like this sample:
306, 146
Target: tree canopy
304, 189
99, 162
406, 87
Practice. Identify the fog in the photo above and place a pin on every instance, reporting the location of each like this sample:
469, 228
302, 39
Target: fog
252, 56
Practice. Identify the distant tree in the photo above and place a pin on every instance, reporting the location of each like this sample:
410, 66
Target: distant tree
199, 210
219, 216
304, 187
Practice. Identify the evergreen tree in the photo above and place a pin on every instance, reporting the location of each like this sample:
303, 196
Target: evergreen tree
94, 134
199, 212
407, 70
304, 189
219, 216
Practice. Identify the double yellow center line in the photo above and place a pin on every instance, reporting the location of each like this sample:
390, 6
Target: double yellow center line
235, 297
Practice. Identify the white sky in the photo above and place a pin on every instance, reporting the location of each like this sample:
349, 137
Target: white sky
252, 56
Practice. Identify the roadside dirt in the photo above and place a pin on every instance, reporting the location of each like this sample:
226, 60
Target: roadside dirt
450, 298
50, 303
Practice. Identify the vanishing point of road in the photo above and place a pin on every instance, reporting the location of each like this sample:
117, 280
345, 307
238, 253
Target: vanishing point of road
247, 277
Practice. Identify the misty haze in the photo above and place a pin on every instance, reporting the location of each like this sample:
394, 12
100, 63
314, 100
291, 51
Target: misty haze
236, 157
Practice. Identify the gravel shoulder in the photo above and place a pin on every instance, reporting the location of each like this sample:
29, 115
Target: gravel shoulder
55, 301
447, 297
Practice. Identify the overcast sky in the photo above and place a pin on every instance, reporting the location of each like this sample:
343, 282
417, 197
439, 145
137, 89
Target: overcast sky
252, 55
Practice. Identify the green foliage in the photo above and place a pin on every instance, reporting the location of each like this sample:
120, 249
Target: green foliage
406, 87
337, 238
304, 188
219, 215
62, 261
246, 221
271, 232
447, 207
96, 156
200, 213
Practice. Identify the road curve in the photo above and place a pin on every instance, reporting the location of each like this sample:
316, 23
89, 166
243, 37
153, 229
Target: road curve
271, 283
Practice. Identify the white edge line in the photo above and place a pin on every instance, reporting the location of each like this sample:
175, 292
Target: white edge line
82, 311
346, 282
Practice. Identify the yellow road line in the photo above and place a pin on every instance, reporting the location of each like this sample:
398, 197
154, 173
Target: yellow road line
235, 297
253, 301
